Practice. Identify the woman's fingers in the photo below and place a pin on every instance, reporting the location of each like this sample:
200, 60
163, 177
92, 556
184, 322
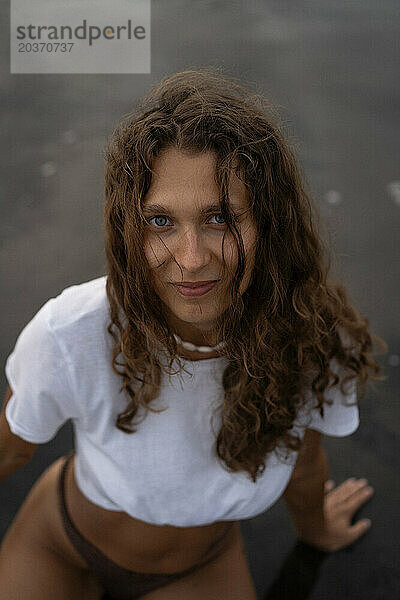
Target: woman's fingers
345, 500
359, 528
348, 488
358, 498
340, 505
329, 485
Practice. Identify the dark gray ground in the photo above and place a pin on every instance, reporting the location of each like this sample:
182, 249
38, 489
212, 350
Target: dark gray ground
332, 68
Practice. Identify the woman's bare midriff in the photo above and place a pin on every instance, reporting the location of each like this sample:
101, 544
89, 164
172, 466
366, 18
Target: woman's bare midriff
134, 544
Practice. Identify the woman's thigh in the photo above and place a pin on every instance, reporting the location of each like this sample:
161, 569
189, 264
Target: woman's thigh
36, 557
228, 577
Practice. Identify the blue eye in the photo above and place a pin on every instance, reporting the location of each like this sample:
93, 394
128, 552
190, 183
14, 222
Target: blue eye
219, 215
158, 220
158, 224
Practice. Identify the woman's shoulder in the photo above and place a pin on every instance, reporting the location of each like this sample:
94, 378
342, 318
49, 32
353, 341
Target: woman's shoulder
77, 310
340, 414
65, 338
78, 303
78, 307
78, 318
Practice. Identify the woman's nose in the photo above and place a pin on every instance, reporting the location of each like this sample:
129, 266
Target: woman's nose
192, 251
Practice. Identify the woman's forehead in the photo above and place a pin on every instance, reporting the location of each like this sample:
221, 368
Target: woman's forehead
190, 175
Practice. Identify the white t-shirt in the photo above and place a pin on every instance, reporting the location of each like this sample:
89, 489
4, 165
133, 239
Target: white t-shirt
167, 473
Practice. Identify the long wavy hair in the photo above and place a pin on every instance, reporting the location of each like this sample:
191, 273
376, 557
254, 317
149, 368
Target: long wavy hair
283, 331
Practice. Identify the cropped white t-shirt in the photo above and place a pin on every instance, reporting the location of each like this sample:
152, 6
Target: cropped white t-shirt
167, 473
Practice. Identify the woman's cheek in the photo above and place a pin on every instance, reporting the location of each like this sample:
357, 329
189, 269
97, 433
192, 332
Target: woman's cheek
154, 251
229, 252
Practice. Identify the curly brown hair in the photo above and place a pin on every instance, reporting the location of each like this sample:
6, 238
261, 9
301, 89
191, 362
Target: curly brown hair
283, 331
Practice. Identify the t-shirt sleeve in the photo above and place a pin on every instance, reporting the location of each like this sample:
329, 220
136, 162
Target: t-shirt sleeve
38, 375
341, 417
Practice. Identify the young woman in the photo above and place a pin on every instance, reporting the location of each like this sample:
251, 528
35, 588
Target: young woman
200, 373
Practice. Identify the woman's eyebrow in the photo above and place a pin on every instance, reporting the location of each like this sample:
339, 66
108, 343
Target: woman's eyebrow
151, 208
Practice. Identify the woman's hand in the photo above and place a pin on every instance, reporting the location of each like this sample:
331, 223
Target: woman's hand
340, 505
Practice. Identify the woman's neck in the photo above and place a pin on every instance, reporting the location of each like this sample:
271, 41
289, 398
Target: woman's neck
188, 332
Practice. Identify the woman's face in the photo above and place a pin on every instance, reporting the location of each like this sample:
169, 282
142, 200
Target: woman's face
185, 228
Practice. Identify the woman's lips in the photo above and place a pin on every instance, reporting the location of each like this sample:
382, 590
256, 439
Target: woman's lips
198, 290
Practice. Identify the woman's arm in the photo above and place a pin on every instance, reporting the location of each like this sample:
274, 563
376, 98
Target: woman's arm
14, 451
304, 494
322, 515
